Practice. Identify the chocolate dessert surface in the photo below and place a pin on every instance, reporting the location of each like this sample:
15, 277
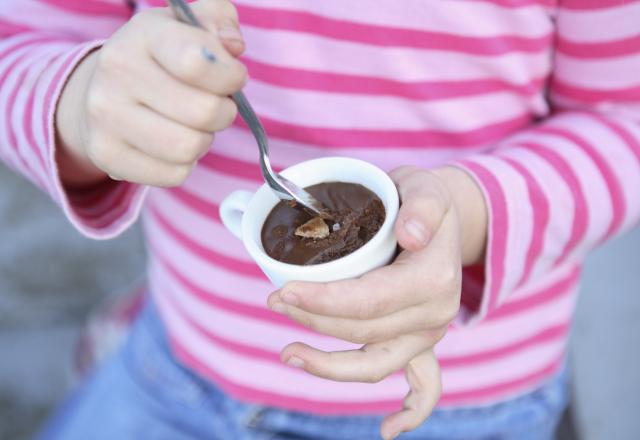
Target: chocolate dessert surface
294, 236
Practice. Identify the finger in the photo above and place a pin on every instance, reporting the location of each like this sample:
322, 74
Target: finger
424, 318
423, 375
375, 294
123, 162
184, 51
221, 18
161, 138
180, 102
370, 364
425, 201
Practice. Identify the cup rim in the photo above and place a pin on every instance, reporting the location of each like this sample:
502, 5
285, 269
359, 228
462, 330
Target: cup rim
391, 208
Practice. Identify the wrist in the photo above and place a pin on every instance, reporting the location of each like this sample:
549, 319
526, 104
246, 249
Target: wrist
468, 200
74, 166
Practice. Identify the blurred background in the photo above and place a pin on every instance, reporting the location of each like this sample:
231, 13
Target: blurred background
51, 278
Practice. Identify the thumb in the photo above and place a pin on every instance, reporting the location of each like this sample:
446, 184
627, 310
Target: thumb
424, 202
221, 18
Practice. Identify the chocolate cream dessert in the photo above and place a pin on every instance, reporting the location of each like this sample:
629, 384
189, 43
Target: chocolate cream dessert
292, 235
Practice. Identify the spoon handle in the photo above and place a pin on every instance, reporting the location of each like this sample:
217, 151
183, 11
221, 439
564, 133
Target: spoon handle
185, 14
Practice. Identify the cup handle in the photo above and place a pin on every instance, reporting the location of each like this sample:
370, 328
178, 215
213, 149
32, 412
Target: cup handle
232, 209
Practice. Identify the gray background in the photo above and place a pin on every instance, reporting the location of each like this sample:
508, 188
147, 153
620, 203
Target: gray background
51, 277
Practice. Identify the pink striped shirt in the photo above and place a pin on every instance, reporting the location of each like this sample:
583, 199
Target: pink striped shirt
538, 101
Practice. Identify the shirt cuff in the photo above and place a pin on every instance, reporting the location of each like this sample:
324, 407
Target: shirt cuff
102, 211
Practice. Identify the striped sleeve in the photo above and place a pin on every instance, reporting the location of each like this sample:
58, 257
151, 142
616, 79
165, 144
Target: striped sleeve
41, 41
560, 188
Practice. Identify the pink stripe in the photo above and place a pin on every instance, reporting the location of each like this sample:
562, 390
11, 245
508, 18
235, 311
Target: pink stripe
506, 389
368, 85
499, 230
47, 103
29, 116
520, 3
581, 211
341, 138
92, 7
516, 306
539, 201
13, 142
204, 207
87, 197
589, 5
235, 347
567, 90
387, 36
233, 167
240, 267
96, 212
617, 48
618, 129
253, 395
8, 29
618, 203
546, 335
112, 212
542, 337
220, 302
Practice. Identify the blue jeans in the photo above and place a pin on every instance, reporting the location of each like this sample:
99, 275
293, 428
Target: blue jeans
142, 392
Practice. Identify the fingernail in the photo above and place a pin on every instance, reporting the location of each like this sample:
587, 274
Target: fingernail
417, 231
208, 55
230, 32
295, 362
289, 298
278, 307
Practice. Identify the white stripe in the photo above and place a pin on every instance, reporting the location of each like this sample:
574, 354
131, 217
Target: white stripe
238, 143
594, 189
600, 74
600, 25
203, 230
43, 17
617, 154
356, 111
478, 19
257, 333
512, 329
401, 64
558, 194
520, 215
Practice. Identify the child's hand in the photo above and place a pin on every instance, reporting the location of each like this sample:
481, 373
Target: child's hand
145, 106
399, 312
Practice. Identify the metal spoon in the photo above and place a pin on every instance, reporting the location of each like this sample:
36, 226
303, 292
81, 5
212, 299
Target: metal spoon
281, 186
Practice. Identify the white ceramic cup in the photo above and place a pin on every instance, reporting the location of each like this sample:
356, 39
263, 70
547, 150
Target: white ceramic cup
243, 213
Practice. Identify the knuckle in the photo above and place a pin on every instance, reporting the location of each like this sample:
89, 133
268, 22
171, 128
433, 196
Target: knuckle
97, 103
112, 60
239, 76
448, 276
190, 146
99, 154
177, 176
190, 64
452, 310
229, 114
373, 306
360, 335
376, 375
206, 113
